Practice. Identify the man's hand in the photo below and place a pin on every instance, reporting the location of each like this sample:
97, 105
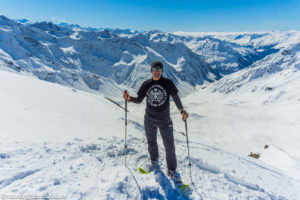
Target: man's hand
126, 95
184, 114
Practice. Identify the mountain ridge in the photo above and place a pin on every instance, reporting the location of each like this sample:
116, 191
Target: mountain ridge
85, 58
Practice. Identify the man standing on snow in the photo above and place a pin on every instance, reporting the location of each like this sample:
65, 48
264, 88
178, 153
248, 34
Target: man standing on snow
157, 91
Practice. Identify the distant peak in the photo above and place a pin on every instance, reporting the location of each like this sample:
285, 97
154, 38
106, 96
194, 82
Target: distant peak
5, 21
23, 21
2, 17
154, 31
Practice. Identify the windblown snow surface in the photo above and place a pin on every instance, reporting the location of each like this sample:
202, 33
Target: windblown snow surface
56, 140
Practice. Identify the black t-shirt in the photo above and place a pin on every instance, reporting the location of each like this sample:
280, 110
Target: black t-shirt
157, 95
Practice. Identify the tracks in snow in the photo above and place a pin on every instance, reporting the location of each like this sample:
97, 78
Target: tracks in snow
72, 167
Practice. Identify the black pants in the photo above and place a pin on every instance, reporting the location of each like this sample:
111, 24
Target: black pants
166, 132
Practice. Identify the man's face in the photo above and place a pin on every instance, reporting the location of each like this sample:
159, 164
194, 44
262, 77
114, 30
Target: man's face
156, 73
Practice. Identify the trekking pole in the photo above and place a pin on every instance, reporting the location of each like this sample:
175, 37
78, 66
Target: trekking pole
125, 146
187, 141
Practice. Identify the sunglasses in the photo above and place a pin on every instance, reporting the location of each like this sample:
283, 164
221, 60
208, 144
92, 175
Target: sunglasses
156, 69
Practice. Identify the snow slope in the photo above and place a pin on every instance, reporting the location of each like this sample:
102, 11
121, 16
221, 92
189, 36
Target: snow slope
60, 141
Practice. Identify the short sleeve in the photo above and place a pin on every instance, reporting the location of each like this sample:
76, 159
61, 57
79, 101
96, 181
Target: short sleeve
173, 89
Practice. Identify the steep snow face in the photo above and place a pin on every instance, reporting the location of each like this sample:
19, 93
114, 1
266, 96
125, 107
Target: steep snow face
86, 58
73, 56
285, 62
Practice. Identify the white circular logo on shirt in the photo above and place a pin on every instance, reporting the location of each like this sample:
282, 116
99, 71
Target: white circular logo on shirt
157, 95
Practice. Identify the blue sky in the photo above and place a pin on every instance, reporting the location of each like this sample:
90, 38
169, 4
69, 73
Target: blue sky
164, 15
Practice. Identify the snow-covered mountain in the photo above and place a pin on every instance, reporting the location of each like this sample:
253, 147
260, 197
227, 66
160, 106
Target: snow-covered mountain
286, 62
242, 92
88, 59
